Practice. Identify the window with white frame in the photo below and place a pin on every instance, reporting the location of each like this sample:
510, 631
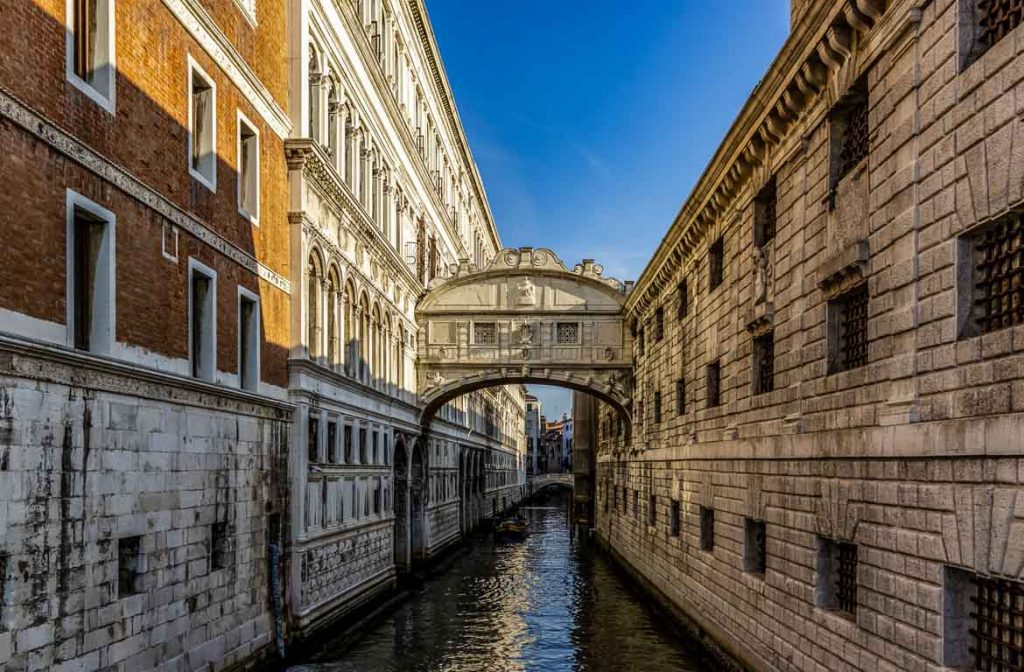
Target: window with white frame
202, 126
90, 275
90, 49
248, 340
248, 169
202, 320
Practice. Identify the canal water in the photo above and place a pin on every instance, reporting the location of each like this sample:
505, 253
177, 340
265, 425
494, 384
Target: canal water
542, 604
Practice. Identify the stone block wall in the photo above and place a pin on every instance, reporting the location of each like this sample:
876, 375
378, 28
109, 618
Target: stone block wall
911, 459
135, 529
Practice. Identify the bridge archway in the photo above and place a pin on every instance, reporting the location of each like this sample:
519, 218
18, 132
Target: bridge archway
525, 318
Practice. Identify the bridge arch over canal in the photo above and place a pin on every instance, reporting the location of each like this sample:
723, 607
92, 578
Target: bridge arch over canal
524, 318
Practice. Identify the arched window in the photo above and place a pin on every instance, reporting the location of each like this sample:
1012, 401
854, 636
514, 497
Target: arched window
364, 339
314, 322
333, 314
351, 330
315, 75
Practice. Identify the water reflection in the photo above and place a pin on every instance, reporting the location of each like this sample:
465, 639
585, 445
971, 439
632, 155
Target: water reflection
538, 605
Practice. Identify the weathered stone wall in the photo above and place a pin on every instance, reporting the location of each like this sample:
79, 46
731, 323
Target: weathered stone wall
913, 457
93, 456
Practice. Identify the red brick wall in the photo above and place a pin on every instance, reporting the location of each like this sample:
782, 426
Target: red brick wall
148, 137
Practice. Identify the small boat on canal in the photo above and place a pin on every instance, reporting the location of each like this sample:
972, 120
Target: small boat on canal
511, 529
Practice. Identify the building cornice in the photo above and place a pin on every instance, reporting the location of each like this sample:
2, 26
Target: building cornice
205, 31
805, 70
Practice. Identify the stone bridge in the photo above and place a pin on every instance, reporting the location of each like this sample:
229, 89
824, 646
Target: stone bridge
544, 480
525, 318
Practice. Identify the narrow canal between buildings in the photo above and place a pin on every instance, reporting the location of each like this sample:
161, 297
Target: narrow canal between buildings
541, 604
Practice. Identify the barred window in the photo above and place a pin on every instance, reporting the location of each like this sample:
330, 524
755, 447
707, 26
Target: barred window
984, 622
992, 21
707, 529
659, 324
848, 330
764, 363
683, 298
850, 139
755, 548
681, 396
657, 406
673, 513
652, 510
714, 384
568, 333
995, 299
837, 575
636, 503
764, 214
485, 333
640, 342
716, 263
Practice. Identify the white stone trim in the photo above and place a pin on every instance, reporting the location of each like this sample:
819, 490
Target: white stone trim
20, 324
208, 182
108, 103
240, 119
216, 44
104, 335
58, 139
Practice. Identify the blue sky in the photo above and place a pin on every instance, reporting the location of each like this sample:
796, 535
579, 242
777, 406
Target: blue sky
591, 121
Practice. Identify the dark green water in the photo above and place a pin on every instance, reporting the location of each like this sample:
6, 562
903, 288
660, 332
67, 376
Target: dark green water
538, 605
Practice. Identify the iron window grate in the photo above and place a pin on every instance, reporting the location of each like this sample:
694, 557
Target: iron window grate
997, 638
707, 529
854, 144
659, 324
757, 537
682, 306
714, 384
716, 263
657, 406
999, 274
846, 577
997, 18
681, 396
853, 328
568, 333
485, 333
764, 361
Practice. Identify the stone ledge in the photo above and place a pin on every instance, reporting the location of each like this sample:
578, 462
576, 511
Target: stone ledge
847, 267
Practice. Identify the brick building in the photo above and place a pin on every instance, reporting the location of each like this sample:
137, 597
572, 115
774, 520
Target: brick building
824, 467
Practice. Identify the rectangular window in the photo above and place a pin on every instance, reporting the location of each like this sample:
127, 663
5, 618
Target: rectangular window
485, 333
202, 127
657, 406
764, 363
202, 314
362, 445
313, 439
707, 529
837, 575
848, 330
375, 441
714, 384
680, 396
849, 132
348, 444
641, 342
129, 566
248, 169
568, 333
220, 546
659, 324
673, 515
683, 299
755, 547
983, 627
90, 275
652, 510
332, 442
90, 50
990, 298
764, 214
716, 263
248, 340
636, 503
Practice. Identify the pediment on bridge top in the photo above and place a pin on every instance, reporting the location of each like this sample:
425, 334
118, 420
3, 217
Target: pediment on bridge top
521, 281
